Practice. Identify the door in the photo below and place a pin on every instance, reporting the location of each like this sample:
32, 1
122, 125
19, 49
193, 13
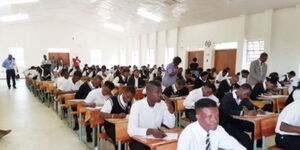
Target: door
199, 55
225, 58
65, 57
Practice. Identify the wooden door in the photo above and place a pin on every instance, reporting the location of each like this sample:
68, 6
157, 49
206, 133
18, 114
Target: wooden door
225, 58
65, 57
199, 55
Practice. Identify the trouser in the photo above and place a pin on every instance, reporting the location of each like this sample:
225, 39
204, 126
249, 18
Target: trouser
288, 142
135, 145
191, 114
110, 131
11, 74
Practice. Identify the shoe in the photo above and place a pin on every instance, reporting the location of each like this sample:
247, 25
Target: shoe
4, 132
89, 138
15, 87
76, 127
9, 88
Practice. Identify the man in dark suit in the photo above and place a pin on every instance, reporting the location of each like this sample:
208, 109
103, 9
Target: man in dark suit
177, 89
199, 82
228, 85
135, 80
237, 103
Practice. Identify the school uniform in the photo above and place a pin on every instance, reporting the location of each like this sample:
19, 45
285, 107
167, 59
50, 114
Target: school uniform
70, 86
139, 120
199, 82
84, 90
120, 80
225, 87
194, 137
136, 82
96, 96
220, 78
242, 80
171, 90
232, 105
192, 98
291, 116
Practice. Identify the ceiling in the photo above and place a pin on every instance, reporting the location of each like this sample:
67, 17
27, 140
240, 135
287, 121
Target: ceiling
174, 13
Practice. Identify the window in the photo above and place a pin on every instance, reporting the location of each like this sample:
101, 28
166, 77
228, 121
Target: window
169, 55
151, 57
18, 54
96, 57
254, 49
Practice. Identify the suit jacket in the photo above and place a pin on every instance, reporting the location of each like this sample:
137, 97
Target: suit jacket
131, 82
199, 83
258, 90
257, 72
83, 91
224, 87
229, 107
169, 91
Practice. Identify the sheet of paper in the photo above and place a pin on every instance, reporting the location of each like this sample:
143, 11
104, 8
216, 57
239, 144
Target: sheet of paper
170, 136
266, 113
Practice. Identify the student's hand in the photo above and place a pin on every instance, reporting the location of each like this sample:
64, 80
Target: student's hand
164, 97
121, 115
170, 106
173, 96
250, 113
156, 133
93, 105
261, 112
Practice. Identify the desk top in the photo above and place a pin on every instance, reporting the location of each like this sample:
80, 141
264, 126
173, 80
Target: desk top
117, 121
271, 97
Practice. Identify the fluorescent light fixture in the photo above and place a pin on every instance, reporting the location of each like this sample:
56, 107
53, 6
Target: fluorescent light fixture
12, 2
144, 13
16, 17
114, 27
58, 50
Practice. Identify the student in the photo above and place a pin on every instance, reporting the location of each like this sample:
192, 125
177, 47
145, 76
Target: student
72, 85
194, 65
62, 79
275, 75
147, 116
117, 107
264, 88
237, 103
287, 78
228, 85
288, 126
171, 72
203, 79
85, 70
189, 79
177, 89
205, 133
97, 97
135, 80
243, 77
123, 78
206, 91
222, 75
158, 79
103, 73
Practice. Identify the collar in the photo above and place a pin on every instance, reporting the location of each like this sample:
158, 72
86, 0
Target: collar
121, 102
228, 81
264, 85
201, 130
234, 94
91, 85
174, 88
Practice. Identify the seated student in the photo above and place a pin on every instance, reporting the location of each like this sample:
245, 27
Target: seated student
243, 77
62, 79
264, 88
287, 78
103, 73
228, 85
291, 98
222, 75
275, 76
189, 79
85, 70
237, 103
92, 71
135, 80
205, 133
117, 107
158, 79
206, 91
122, 79
97, 97
177, 89
72, 85
203, 79
147, 116
83, 91
288, 126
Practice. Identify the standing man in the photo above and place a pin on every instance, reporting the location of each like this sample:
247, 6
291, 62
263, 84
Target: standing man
171, 72
46, 65
9, 65
258, 69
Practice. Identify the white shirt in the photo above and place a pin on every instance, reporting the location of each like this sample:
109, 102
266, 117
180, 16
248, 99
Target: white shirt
70, 86
116, 80
101, 73
293, 84
162, 88
296, 95
96, 96
136, 82
142, 117
242, 80
108, 105
193, 137
194, 96
60, 81
289, 115
220, 77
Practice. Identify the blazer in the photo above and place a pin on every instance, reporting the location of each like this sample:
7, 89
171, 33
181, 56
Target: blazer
131, 82
258, 90
258, 72
199, 83
224, 87
83, 91
169, 91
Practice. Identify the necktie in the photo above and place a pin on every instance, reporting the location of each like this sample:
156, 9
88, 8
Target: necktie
207, 142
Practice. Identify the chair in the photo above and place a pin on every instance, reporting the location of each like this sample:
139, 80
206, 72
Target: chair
268, 126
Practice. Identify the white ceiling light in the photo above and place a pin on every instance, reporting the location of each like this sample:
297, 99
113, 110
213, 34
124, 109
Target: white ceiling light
144, 13
12, 2
16, 17
114, 27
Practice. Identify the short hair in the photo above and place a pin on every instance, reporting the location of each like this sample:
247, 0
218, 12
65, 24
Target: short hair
245, 71
292, 73
204, 103
78, 73
157, 78
152, 85
204, 73
109, 84
98, 77
211, 86
194, 59
246, 86
129, 89
273, 80
103, 67
177, 60
180, 82
264, 54
64, 71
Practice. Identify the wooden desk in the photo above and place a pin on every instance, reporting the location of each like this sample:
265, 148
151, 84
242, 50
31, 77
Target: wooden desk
179, 108
159, 144
121, 134
256, 120
277, 100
